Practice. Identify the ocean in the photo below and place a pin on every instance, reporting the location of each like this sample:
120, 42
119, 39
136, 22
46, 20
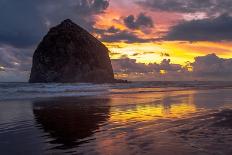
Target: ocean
149, 118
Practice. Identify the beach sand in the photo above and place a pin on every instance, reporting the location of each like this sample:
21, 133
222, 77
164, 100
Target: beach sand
126, 122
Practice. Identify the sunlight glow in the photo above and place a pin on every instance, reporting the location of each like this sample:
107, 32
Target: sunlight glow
180, 52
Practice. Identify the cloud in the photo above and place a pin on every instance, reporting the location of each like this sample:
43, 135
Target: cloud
209, 7
142, 21
211, 66
14, 64
24, 22
15, 59
80, 11
113, 34
112, 29
21, 24
100, 5
2, 68
127, 65
123, 36
210, 29
129, 69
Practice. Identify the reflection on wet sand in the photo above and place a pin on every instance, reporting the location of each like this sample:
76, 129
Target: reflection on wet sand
168, 124
69, 121
156, 106
152, 112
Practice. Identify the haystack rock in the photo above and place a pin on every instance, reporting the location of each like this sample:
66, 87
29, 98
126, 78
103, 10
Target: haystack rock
68, 54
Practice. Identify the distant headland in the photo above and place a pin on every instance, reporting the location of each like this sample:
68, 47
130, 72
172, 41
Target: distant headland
69, 54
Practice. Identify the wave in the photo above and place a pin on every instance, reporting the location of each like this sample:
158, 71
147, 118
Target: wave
27, 91
12, 91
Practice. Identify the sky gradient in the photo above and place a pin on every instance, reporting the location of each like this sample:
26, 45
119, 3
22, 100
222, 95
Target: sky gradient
147, 39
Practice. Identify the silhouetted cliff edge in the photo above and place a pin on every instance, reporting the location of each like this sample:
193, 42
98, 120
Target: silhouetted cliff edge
67, 54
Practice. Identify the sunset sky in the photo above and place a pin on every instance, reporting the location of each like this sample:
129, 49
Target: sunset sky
147, 39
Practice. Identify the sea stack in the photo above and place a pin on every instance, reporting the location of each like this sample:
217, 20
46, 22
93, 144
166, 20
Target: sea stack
69, 54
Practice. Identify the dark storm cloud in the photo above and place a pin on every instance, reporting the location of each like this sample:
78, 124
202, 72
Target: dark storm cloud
100, 5
215, 29
24, 22
124, 36
12, 58
210, 7
142, 21
15, 64
21, 24
112, 29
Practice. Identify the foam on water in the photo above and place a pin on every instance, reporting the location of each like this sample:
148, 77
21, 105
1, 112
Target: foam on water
28, 91
11, 91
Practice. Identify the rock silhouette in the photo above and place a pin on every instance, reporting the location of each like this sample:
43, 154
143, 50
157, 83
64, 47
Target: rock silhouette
68, 54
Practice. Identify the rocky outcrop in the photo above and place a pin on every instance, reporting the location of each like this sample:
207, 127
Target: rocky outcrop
68, 54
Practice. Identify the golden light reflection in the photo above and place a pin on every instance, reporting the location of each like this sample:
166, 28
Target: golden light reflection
170, 106
147, 113
163, 71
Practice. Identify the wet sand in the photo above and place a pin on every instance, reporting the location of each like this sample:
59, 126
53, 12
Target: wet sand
187, 122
